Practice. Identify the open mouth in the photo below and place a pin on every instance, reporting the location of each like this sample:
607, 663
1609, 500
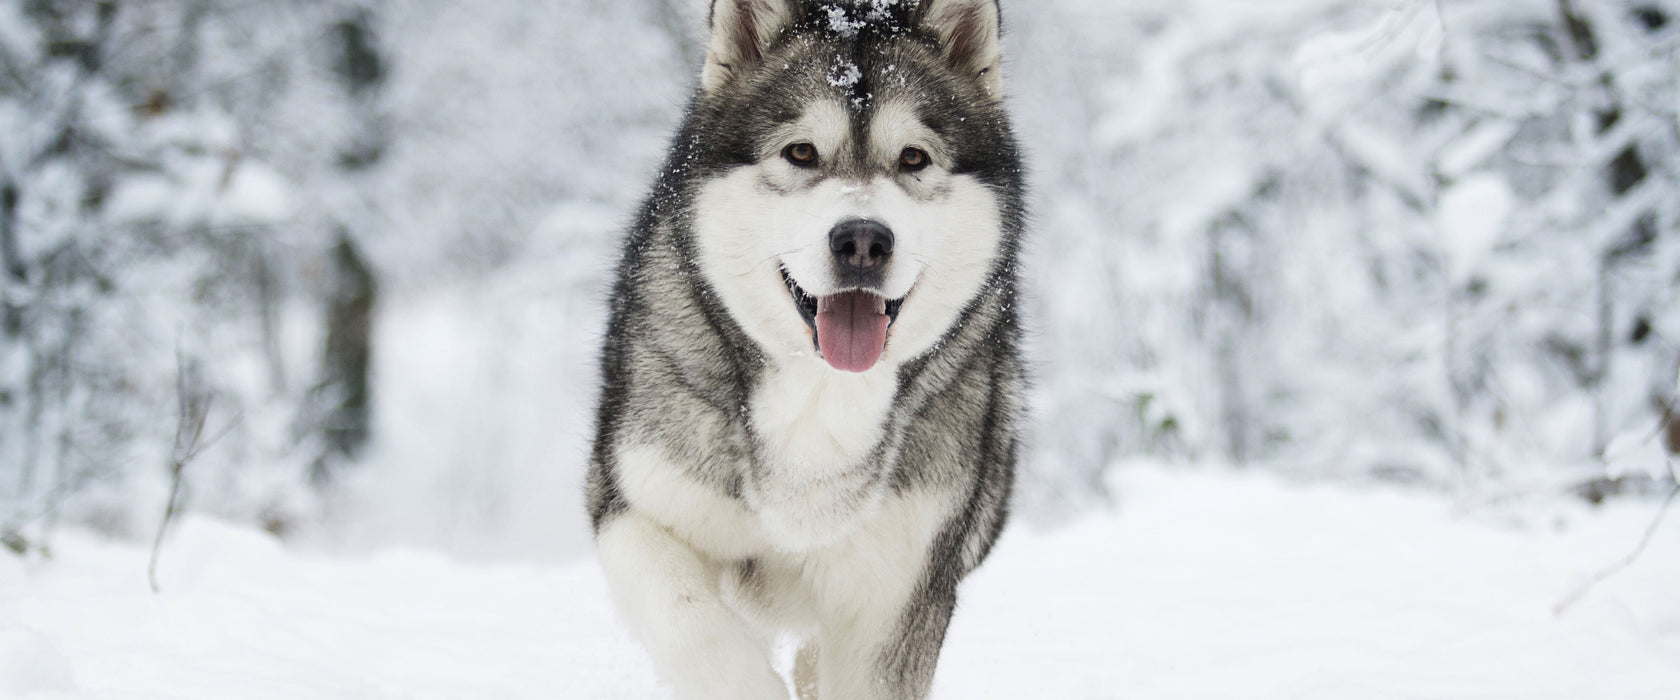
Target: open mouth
849, 329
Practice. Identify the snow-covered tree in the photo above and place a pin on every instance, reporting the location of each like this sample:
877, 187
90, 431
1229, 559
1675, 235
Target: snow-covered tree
163, 234
1430, 241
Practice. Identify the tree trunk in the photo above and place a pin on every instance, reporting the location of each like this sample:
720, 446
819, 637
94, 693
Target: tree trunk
1624, 172
11, 257
344, 384
353, 289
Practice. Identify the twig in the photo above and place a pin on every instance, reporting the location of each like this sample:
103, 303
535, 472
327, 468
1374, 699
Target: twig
1633, 556
189, 427
168, 514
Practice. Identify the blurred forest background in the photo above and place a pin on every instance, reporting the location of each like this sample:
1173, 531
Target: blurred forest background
336, 267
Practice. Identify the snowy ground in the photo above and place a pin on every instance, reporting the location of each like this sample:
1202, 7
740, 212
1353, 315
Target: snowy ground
1196, 585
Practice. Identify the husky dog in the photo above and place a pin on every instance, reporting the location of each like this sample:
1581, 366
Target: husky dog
811, 377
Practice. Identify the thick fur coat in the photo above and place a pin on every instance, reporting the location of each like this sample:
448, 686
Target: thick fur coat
772, 463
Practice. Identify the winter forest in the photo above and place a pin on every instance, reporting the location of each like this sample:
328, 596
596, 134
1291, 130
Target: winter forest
1362, 297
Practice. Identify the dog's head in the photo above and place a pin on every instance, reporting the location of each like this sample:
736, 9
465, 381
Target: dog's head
860, 181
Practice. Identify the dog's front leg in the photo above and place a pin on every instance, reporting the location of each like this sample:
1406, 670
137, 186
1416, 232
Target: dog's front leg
881, 654
883, 599
667, 594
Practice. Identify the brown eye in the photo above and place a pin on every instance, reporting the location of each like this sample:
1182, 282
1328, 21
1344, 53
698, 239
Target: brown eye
802, 154
913, 159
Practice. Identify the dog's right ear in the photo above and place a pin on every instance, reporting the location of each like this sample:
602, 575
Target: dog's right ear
968, 32
741, 31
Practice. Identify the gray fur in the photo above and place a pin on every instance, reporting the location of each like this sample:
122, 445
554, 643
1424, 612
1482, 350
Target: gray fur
677, 365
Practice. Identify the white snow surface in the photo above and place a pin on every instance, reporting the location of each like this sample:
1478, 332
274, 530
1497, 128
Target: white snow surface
1198, 583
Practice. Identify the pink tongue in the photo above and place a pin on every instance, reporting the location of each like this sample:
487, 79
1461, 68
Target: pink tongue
852, 329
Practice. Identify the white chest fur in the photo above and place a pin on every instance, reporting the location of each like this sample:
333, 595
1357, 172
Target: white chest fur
812, 419
816, 428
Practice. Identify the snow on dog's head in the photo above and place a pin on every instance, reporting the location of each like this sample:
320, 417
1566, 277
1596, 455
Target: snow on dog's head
854, 180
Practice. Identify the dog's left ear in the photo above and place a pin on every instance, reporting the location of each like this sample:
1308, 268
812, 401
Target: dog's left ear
968, 32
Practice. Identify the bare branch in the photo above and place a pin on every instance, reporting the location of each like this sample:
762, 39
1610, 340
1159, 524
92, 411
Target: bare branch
189, 431
1627, 561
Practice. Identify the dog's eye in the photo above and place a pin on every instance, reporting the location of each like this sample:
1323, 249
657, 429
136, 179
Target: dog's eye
802, 154
913, 158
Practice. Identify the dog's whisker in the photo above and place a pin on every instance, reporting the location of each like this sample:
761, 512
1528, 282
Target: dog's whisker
784, 254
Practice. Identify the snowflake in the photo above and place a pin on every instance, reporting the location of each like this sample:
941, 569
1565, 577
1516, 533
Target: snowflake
844, 74
878, 10
841, 23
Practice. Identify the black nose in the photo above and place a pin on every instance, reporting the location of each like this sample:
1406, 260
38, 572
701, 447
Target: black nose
861, 244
